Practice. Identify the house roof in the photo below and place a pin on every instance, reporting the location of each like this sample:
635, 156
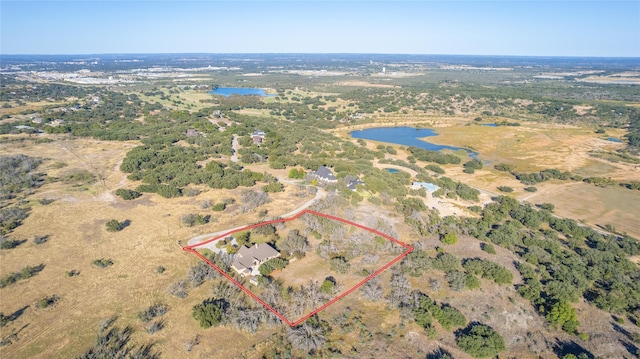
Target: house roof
258, 252
352, 185
325, 173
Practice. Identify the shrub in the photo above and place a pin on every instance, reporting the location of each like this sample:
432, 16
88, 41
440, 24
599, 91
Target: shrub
160, 269
210, 313
269, 266
80, 177
339, 264
505, 189
127, 194
504, 167
114, 226
191, 219
488, 270
296, 173
530, 189
562, 314
102, 263
457, 280
6, 243
547, 206
435, 168
191, 192
72, 273
474, 164
480, 340
327, 286
45, 201
155, 327
178, 289
47, 301
40, 239
449, 238
156, 310
219, 207
488, 247
273, 187
472, 282
24, 273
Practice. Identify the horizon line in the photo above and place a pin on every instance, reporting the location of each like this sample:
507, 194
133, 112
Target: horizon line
317, 53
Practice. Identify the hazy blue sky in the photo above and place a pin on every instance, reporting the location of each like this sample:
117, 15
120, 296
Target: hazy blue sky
543, 28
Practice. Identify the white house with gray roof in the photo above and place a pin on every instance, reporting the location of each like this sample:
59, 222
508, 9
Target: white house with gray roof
324, 174
248, 260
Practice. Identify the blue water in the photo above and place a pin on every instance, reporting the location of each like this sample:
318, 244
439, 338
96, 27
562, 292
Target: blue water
613, 139
489, 125
407, 136
392, 170
243, 91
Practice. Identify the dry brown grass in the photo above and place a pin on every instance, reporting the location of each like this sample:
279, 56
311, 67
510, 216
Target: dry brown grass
534, 147
75, 223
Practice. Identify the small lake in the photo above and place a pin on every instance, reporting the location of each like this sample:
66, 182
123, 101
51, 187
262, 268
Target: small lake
407, 136
242, 91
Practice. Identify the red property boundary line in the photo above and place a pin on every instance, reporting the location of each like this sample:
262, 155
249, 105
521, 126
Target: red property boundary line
282, 220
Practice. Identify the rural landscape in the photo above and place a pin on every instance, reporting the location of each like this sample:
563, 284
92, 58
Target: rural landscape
319, 205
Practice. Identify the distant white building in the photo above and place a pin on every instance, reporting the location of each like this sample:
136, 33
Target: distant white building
353, 185
257, 136
324, 174
430, 187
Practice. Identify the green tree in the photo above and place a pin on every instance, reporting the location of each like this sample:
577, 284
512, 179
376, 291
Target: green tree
327, 286
339, 264
273, 187
563, 315
127, 194
480, 341
449, 238
114, 226
211, 312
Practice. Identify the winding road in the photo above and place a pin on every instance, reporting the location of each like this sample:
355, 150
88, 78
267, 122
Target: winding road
195, 240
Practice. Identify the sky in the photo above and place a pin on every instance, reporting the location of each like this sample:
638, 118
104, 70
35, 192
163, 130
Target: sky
518, 28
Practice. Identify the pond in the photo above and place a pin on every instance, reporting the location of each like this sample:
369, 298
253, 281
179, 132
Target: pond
489, 125
242, 91
407, 136
613, 139
392, 170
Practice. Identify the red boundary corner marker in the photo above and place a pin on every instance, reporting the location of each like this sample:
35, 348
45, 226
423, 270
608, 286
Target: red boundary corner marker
306, 211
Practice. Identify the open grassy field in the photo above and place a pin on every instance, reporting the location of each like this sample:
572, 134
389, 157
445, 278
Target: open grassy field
533, 147
75, 224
